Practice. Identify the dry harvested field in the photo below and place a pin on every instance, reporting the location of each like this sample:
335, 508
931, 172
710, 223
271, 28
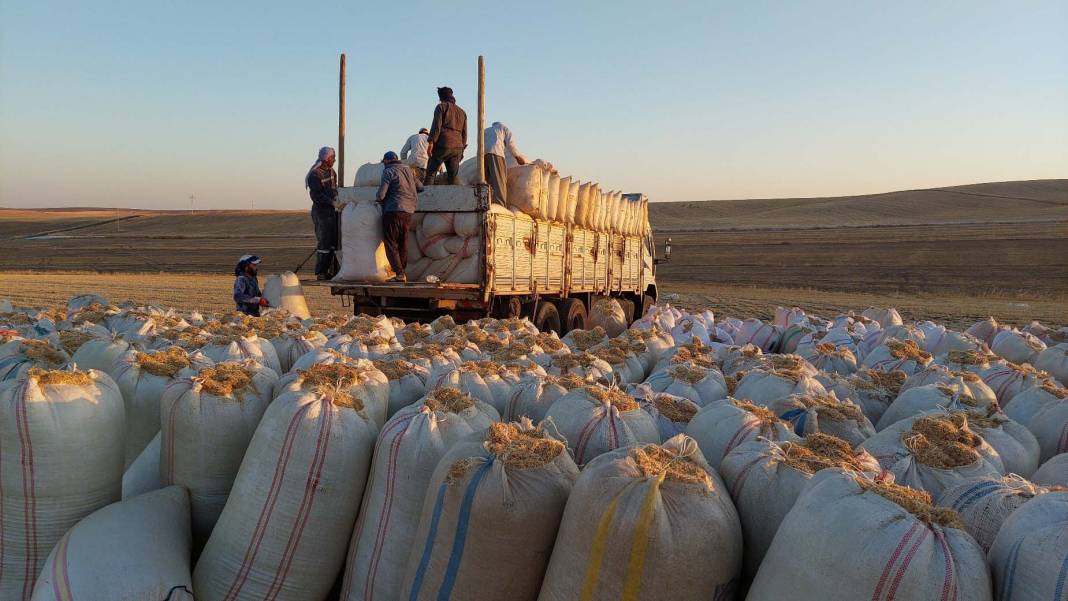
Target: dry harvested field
210, 292
951, 253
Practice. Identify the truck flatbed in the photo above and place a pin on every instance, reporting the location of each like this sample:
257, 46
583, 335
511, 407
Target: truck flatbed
440, 290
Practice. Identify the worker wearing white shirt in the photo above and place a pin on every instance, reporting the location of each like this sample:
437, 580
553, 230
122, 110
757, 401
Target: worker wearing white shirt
415, 153
498, 141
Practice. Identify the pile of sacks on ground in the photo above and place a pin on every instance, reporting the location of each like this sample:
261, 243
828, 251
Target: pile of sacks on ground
149, 454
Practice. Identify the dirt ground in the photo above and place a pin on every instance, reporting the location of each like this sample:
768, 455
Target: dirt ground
953, 254
211, 292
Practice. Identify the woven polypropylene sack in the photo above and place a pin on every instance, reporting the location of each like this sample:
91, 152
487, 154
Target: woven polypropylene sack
765, 481
406, 454
817, 554
137, 549
504, 504
363, 255
61, 458
205, 432
646, 523
285, 529
721, 426
595, 420
985, 503
1028, 555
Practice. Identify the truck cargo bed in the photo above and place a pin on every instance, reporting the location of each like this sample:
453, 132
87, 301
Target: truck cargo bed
449, 290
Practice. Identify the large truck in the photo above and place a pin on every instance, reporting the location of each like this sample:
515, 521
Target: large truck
549, 272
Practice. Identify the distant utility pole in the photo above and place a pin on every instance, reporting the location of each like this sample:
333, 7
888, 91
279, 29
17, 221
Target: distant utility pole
192, 199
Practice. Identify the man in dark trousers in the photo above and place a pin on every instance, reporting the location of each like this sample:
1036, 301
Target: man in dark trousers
448, 137
498, 143
247, 295
397, 195
321, 182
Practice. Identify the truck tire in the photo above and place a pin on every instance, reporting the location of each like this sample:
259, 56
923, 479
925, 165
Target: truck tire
628, 309
572, 315
547, 318
647, 303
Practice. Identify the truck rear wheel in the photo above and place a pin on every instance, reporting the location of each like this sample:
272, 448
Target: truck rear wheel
628, 309
547, 318
572, 314
647, 303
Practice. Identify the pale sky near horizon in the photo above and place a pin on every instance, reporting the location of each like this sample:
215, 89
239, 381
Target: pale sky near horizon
143, 104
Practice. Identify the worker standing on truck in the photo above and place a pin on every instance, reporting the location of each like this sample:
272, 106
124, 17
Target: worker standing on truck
247, 294
414, 153
397, 195
321, 182
498, 140
447, 138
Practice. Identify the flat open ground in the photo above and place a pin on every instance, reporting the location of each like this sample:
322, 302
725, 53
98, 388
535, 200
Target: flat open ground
949, 253
210, 292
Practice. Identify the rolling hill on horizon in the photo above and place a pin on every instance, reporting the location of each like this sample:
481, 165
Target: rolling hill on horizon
999, 202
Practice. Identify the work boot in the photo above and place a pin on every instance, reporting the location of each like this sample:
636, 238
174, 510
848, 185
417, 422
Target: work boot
399, 278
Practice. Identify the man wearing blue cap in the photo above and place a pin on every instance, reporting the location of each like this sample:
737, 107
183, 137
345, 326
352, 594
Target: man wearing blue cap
247, 295
397, 195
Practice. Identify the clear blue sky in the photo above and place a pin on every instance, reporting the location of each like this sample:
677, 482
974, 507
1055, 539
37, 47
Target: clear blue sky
140, 104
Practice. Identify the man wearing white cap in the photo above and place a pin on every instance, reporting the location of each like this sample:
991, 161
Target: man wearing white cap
247, 294
499, 143
321, 182
415, 154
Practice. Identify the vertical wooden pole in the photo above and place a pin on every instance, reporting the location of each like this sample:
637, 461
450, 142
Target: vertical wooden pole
481, 119
341, 124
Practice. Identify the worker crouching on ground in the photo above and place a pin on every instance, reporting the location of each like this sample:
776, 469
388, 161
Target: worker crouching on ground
447, 138
247, 294
321, 182
498, 140
397, 195
415, 154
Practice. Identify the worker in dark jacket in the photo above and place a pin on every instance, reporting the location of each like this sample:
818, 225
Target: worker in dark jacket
247, 295
397, 195
321, 182
448, 137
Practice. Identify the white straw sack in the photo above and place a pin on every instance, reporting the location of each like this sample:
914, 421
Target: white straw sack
363, 255
61, 458
406, 454
721, 426
817, 554
1028, 555
502, 493
595, 419
634, 517
765, 478
141, 378
985, 503
284, 531
207, 422
136, 550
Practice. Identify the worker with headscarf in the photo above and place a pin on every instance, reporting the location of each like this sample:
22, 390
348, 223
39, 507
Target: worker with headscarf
414, 153
321, 183
498, 141
397, 195
447, 138
247, 294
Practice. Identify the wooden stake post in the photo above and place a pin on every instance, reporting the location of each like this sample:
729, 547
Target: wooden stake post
481, 119
341, 124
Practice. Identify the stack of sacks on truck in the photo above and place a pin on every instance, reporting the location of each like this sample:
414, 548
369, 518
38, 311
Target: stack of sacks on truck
448, 245
396, 458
